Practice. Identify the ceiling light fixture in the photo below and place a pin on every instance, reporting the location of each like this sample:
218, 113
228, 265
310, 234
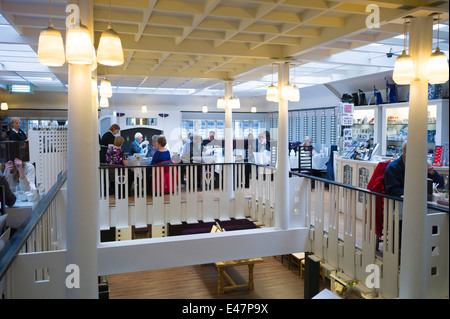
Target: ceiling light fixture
144, 108
110, 47
272, 91
104, 102
105, 88
79, 45
204, 109
404, 66
437, 70
51, 46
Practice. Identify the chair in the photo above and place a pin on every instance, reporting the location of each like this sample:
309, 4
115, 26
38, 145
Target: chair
305, 159
296, 259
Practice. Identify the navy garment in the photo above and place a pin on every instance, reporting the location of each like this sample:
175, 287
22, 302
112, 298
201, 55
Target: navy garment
160, 157
394, 178
330, 168
135, 148
17, 136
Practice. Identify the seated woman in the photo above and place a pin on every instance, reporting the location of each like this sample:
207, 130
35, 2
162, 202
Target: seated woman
21, 174
162, 154
116, 156
307, 145
10, 198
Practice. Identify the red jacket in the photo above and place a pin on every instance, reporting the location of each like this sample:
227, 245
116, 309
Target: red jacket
376, 184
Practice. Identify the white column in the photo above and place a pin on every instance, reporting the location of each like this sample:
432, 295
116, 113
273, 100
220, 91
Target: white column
413, 268
228, 123
82, 174
228, 137
282, 175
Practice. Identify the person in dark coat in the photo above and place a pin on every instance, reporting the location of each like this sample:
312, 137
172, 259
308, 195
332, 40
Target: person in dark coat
394, 176
106, 140
16, 134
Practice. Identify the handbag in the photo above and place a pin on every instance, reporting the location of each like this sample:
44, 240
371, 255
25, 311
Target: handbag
362, 97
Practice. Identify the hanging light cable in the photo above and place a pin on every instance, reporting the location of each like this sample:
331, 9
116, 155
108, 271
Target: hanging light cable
404, 66
51, 46
110, 47
437, 70
295, 91
221, 103
272, 91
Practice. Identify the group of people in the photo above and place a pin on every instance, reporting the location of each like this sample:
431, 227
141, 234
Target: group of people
16, 174
111, 148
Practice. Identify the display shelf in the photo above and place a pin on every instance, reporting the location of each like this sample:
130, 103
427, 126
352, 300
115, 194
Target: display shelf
394, 118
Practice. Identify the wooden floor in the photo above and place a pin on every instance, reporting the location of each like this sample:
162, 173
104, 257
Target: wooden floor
273, 280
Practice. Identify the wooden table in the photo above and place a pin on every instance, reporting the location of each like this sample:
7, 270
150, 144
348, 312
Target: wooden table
227, 264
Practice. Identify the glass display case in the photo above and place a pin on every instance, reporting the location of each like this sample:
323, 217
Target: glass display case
363, 125
396, 130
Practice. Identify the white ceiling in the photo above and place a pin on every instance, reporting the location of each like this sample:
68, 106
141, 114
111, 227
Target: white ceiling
189, 47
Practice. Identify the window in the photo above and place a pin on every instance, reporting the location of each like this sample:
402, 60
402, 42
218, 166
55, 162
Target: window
142, 121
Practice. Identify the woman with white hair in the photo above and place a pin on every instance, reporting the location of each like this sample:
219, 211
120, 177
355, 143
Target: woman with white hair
138, 144
307, 145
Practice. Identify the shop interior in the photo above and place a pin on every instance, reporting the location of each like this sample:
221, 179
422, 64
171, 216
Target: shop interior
180, 59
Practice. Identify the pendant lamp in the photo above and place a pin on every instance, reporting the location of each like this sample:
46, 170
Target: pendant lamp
404, 66
221, 103
295, 91
4, 106
144, 109
105, 88
253, 109
204, 109
287, 92
234, 103
295, 94
51, 46
110, 47
104, 102
272, 91
437, 70
79, 45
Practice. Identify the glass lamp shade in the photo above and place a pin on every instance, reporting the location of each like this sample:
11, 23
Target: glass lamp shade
295, 94
272, 93
205, 109
105, 88
437, 71
110, 48
79, 46
234, 103
403, 69
287, 92
144, 109
104, 102
253, 109
220, 103
51, 47
4, 106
